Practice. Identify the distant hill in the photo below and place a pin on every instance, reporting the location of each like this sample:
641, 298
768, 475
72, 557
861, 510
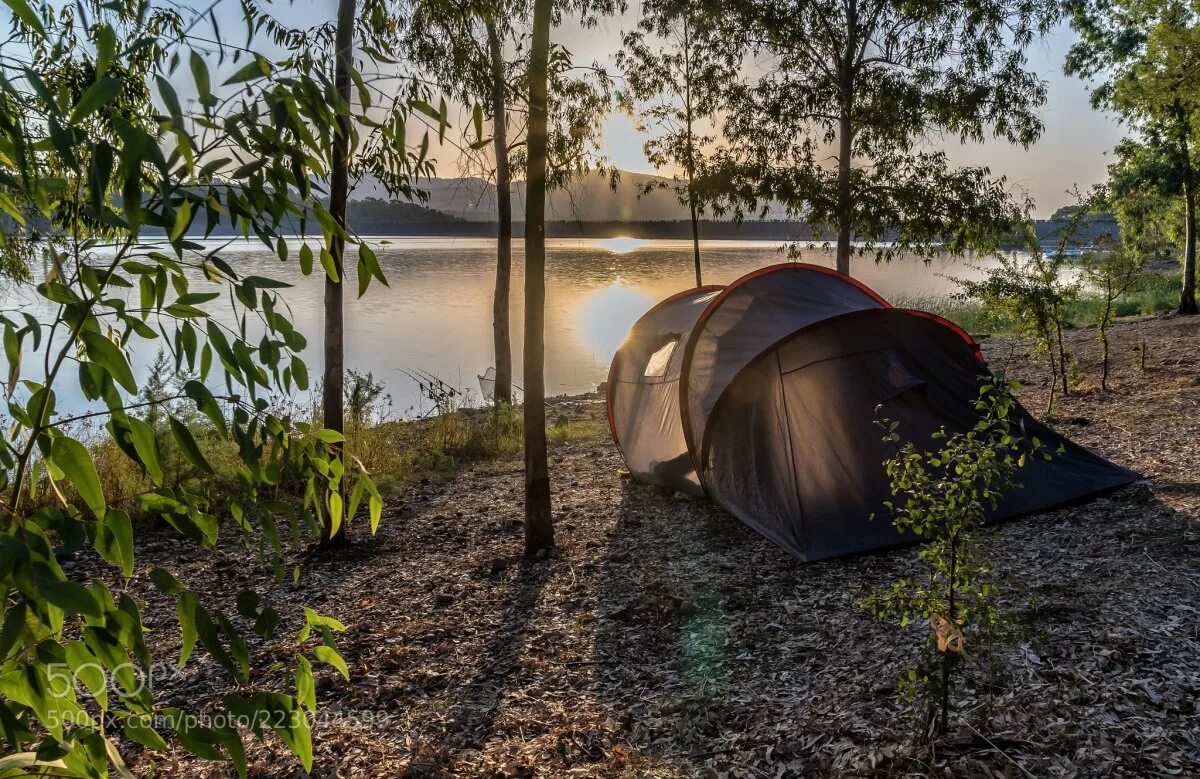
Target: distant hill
588, 199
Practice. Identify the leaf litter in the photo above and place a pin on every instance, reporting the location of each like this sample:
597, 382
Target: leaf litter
663, 638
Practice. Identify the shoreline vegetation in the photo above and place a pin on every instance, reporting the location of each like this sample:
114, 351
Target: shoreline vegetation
401, 452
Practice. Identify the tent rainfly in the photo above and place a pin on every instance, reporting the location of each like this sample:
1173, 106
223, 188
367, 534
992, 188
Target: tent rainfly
763, 396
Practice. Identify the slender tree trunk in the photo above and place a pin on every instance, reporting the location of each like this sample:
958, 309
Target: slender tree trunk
691, 147
1105, 319
500, 305
539, 526
1187, 299
845, 221
947, 656
1063, 358
696, 240
1044, 328
332, 403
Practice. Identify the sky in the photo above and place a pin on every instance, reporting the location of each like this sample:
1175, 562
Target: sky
1073, 150
1071, 153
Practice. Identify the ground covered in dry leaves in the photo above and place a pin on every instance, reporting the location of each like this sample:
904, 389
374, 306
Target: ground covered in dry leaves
666, 639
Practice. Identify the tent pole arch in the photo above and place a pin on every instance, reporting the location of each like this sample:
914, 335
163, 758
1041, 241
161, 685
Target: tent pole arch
608, 388
693, 338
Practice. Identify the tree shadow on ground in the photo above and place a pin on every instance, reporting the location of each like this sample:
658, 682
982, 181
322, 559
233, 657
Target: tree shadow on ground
478, 701
722, 653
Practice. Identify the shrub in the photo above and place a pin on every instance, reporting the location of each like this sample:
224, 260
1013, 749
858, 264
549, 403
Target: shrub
942, 495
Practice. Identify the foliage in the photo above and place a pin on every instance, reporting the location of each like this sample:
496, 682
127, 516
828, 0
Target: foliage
943, 496
107, 187
1114, 269
874, 79
449, 42
1145, 189
1033, 290
675, 78
366, 399
1140, 58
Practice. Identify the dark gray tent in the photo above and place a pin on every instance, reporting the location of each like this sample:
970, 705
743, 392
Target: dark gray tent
763, 396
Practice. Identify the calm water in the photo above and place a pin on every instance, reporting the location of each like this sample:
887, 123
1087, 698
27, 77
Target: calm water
436, 316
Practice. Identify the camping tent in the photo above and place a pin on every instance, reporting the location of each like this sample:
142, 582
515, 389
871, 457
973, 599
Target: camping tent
763, 396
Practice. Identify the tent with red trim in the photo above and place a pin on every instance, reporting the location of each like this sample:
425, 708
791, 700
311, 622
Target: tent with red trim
763, 396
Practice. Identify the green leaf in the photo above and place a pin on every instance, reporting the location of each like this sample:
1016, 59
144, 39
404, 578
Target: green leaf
207, 405
185, 609
166, 583
12, 353
169, 97
72, 458
299, 373
330, 265
306, 690
105, 353
114, 541
187, 444
106, 48
329, 436
138, 728
23, 12
12, 627
98, 94
72, 597
146, 445
258, 68
200, 73
329, 655
306, 259
375, 503
335, 511
183, 217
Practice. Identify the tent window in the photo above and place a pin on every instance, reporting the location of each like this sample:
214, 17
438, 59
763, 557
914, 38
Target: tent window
657, 366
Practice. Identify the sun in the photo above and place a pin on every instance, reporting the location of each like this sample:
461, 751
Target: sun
621, 245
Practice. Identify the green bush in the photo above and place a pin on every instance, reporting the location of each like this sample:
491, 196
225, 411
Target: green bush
942, 493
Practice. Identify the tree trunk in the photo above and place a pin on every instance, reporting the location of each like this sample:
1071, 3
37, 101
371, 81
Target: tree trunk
539, 526
691, 145
332, 403
1187, 300
947, 656
845, 221
845, 224
500, 305
695, 239
1102, 333
1063, 359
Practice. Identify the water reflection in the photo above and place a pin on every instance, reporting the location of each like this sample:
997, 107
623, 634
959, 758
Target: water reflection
436, 315
606, 315
621, 245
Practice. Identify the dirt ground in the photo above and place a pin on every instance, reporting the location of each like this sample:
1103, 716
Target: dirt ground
663, 638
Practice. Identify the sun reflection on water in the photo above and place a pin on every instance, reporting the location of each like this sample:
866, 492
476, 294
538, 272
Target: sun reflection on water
606, 315
622, 245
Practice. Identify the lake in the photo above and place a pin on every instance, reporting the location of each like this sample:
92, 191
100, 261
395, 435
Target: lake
436, 316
